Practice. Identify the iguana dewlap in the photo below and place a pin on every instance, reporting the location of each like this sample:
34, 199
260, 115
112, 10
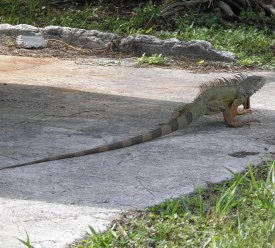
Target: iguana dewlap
220, 95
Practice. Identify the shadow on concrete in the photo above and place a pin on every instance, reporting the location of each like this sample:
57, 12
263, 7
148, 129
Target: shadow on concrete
36, 122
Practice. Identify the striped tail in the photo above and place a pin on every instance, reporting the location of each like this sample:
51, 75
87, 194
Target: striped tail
164, 129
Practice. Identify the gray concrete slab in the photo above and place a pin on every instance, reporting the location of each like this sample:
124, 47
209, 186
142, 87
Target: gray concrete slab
51, 106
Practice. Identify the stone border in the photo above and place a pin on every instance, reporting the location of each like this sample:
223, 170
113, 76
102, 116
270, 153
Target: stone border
138, 44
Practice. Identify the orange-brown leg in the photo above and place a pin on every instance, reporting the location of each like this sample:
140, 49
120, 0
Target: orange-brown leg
243, 111
246, 107
229, 115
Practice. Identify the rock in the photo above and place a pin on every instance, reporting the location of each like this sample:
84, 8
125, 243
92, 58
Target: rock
139, 44
197, 49
125, 45
35, 41
201, 49
91, 39
21, 29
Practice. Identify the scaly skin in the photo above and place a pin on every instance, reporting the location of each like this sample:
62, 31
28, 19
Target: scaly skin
220, 95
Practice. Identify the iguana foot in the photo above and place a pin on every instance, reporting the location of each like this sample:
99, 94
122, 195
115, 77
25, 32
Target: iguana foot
243, 111
236, 123
229, 115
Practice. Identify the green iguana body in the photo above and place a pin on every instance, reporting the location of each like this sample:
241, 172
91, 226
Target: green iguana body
220, 95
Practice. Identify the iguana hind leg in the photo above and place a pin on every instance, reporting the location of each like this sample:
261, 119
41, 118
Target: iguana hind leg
178, 111
229, 114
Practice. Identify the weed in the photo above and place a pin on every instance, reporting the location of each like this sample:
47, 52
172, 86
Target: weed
155, 59
26, 243
144, 16
253, 16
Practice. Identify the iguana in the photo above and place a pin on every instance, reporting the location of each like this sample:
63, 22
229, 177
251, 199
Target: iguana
219, 95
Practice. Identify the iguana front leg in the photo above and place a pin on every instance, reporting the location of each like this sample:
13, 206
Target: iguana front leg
230, 113
246, 107
246, 104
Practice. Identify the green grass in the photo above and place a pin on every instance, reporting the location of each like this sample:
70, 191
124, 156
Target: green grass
253, 46
237, 213
26, 243
155, 59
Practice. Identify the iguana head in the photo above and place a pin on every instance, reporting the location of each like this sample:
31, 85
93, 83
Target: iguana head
251, 84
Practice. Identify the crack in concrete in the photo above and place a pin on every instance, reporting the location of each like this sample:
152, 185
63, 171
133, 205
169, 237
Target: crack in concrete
144, 186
